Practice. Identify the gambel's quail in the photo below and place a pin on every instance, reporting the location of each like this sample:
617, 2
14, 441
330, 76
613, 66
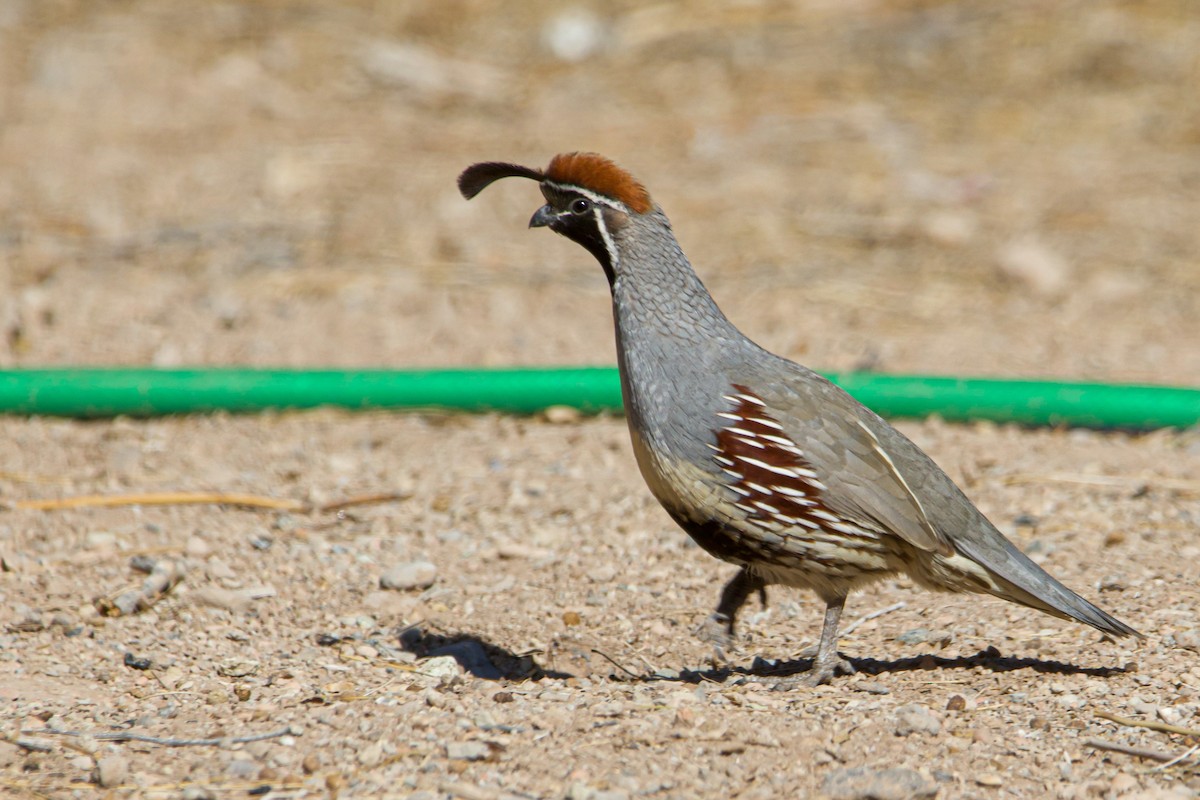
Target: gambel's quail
763, 462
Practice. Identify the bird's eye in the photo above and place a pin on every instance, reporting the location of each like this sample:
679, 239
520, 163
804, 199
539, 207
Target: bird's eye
580, 206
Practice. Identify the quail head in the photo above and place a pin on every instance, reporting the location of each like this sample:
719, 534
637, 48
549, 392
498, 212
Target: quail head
766, 464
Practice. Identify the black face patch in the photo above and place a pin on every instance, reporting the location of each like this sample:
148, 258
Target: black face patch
577, 221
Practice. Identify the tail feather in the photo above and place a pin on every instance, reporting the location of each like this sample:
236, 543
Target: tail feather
1021, 580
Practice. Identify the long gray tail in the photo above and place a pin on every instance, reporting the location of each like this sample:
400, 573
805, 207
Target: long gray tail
1030, 585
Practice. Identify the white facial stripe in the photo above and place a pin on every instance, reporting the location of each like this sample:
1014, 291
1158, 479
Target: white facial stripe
597, 199
599, 202
614, 260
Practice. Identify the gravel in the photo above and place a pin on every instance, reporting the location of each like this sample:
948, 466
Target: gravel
215, 184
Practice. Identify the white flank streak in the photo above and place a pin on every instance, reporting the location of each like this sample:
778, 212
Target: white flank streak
766, 507
767, 423
755, 487
740, 491
789, 491
741, 432
751, 442
784, 471
749, 398
732, 416
723, 461
786, 444
824, 515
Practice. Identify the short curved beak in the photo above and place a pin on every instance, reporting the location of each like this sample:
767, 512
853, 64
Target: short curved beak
543, 217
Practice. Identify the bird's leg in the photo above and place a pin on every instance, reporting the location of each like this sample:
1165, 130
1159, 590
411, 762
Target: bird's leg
718, 628
827, 662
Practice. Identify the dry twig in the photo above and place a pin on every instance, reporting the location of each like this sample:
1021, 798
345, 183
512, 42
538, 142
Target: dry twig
1154, 726
165, 575
1130, 483
199, 498
159, 499
360, 500
1139, 752
853, 626
126, 736
1177, 759
614, 662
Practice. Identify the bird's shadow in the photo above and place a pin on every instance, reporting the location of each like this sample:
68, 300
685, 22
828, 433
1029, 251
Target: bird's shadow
476, 655
989, 659
489, 661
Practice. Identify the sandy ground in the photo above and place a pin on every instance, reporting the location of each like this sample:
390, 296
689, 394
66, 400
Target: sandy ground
902, 186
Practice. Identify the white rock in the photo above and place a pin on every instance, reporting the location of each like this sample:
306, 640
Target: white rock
413, 575
467, 751
428, 72
444, 668
1031, 262
111, 771
574, 34
916, 718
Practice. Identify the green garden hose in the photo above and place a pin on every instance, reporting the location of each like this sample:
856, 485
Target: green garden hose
109, 392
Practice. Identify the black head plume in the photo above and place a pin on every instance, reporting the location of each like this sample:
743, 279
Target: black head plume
478, 177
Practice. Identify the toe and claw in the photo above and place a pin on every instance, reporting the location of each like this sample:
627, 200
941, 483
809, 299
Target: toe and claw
718, 628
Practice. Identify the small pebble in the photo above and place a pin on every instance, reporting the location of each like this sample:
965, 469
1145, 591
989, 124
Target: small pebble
914, 636
866, 783
111, 771
412, 575
467, 655
1171, 715
137, 662
1189, 639
371, 755
236, 667
242, 768
98, 540
1123, 783
871, 687
1030, 262
219, 597
916, 718
467, 751
562, 415
444, 668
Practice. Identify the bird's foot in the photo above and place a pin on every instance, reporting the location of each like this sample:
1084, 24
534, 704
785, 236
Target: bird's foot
717, 629
824, 671
820, 673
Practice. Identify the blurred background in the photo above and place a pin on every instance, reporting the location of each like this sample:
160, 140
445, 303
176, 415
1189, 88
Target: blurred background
900, 185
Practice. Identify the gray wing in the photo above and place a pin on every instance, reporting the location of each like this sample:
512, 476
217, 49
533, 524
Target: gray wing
854, 453
874, 473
